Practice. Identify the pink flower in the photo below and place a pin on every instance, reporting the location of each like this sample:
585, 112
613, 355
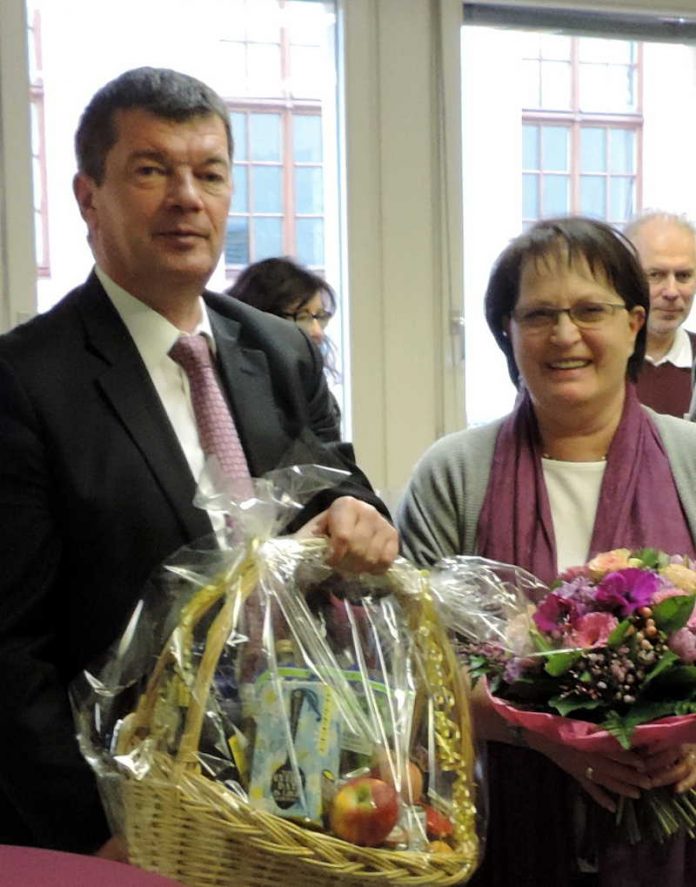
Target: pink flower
592, 630
571, 573
683, 643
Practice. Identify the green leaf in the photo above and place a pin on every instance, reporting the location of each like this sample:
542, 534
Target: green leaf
664, 662
673, 613
618, 634
622, 726
540, 642
652, 558
680, 676
565, 704
619, 727
559, 663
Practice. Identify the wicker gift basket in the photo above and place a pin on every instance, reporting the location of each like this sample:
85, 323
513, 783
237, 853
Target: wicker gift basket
185, 818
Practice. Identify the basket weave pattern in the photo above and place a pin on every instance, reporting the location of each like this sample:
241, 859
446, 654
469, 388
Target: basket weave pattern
183, 825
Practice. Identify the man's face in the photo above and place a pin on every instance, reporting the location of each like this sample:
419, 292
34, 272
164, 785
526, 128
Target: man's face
668, 256
157, 221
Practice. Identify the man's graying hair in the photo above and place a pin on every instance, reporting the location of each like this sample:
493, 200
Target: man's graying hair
162, 92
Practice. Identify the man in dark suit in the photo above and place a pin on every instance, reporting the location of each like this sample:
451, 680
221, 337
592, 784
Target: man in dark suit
99, 450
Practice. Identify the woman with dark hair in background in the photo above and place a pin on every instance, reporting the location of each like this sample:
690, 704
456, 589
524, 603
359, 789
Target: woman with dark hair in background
283, 287
577, 468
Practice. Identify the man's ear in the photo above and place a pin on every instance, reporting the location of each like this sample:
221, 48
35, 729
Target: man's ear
83, 189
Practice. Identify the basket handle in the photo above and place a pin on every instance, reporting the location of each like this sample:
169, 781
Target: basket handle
138, 725
236, 592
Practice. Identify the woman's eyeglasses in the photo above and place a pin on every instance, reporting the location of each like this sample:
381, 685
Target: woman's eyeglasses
584, 315
307, 318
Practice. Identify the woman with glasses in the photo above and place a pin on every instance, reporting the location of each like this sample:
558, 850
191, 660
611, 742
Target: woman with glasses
577, 468
287, 289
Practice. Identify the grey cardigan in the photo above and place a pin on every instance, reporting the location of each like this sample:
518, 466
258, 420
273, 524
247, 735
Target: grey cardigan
438, 514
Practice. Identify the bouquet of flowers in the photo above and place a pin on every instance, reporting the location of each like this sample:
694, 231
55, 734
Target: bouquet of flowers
607, 655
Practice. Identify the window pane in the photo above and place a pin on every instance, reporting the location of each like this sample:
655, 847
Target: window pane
306, 22
237, 241
267, 185
555, 85
530, 44
554, 148
606, 88
307, 138
310, 241
231, 18
530, 147
264, 25
556, 195
599, 49
239, 134
305, 61
555, 46
622, 191
622, 150
263, 67
531, 84
268, 238
309, 189
530, 196
593, 196
232, 65
240, 195
593, 149
265, 136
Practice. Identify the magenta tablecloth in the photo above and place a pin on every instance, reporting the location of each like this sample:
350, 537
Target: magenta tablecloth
29, 867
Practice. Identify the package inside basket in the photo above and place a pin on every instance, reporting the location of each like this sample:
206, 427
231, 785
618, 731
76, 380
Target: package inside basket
317, 720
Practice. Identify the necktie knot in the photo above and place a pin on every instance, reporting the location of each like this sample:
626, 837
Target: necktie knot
191, 352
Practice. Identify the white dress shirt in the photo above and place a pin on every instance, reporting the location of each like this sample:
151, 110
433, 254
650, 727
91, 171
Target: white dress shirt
154, 336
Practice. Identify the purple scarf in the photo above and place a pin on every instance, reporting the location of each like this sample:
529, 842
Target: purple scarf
638, 501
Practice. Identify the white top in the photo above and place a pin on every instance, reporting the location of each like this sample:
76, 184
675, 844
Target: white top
573, 490
154, 336
679, 355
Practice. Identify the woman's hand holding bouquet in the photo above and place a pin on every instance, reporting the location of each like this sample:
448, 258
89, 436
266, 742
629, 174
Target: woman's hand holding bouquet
600, 672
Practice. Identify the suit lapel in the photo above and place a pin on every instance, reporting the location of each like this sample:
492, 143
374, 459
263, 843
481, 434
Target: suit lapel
127, 386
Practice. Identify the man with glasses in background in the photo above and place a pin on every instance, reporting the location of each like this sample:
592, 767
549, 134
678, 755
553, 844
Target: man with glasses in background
666, 245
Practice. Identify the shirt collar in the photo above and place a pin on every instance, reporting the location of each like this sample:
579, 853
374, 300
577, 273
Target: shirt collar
152, 333
679, 355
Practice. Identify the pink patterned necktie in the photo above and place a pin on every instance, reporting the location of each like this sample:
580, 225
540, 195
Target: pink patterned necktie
216, 429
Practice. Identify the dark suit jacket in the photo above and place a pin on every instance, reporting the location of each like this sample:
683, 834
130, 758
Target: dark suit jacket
95, 492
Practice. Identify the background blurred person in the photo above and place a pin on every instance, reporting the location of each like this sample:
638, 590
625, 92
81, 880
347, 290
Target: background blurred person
666, 245
579, 467
287, 289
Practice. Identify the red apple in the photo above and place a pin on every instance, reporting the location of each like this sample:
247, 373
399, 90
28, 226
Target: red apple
364, 811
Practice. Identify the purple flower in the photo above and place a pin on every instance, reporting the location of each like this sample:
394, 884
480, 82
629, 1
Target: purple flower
554, 612
582, 590
627, 590
521, 666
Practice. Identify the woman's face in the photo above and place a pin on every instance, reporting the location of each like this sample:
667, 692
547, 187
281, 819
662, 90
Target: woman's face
312, 317
562, 364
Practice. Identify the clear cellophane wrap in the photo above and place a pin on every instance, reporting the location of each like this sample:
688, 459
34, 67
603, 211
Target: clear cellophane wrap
253, 684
